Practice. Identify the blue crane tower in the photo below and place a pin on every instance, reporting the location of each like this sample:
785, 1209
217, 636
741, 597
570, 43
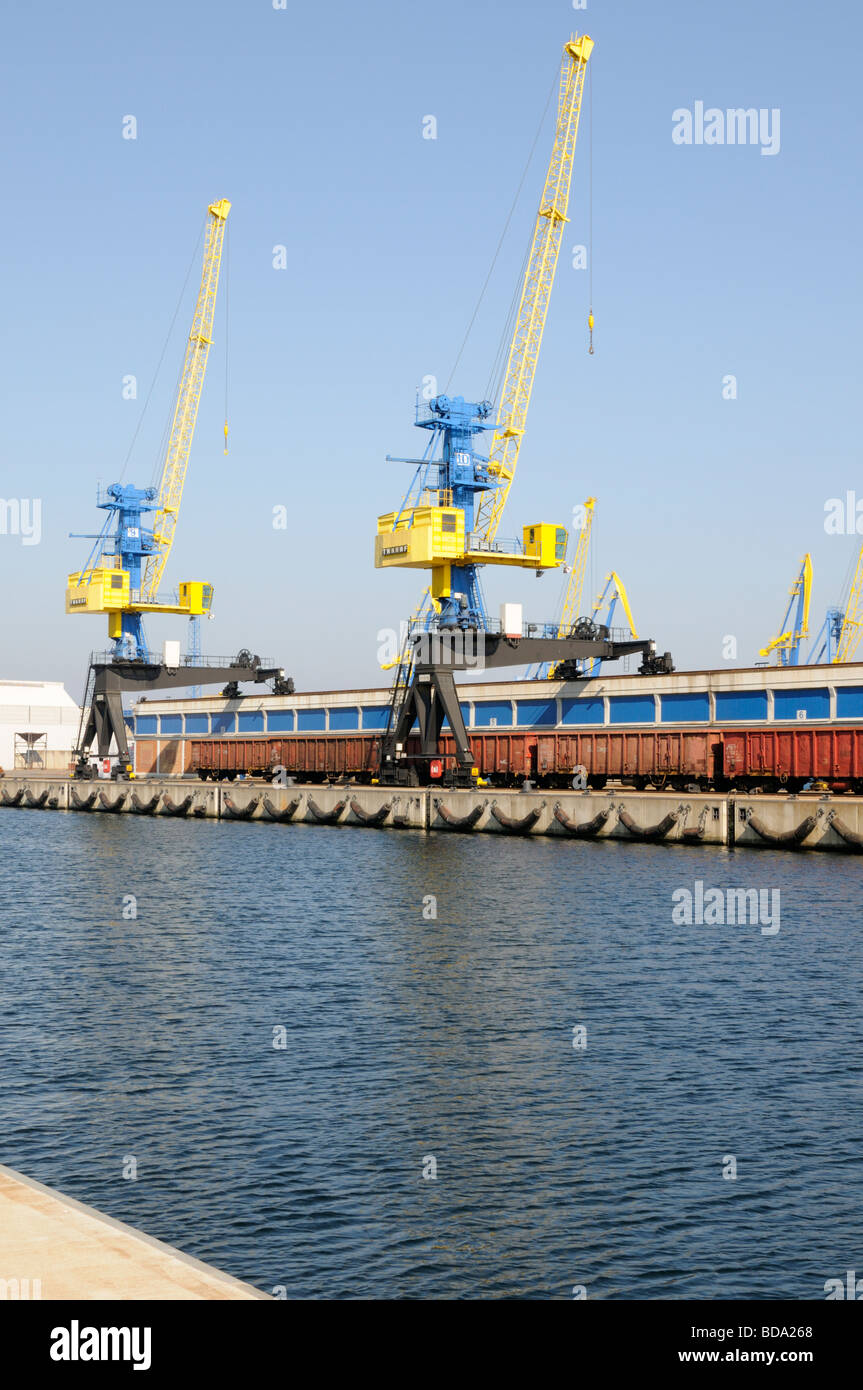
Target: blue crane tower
133, 542
460, 473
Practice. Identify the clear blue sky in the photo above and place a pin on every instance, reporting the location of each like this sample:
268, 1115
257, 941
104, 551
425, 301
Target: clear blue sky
708, 261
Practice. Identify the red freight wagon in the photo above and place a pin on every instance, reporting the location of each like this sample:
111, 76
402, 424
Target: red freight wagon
639, 757
793, 756
743, 758
677, 757
315, 757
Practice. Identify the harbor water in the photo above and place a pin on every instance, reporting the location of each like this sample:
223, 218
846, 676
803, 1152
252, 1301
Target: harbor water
380, 1065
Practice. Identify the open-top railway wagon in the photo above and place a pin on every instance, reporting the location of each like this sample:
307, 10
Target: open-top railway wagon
742, 759
768, 727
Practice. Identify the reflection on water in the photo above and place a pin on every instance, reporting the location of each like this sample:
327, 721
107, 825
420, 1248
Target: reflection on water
410, 1037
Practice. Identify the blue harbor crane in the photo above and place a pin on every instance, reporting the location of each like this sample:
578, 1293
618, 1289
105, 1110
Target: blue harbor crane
122, 575
448, 522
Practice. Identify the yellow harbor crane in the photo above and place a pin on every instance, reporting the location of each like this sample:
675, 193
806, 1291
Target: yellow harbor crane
126, 587
571, 603
571, 606
570, 622
613, 592
449, 519
449, 525
851, 631
123, 573
794, 628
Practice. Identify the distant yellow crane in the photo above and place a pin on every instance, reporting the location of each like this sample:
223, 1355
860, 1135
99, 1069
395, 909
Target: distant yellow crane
571, 607
571, 622
794, 628
614, 591
571, 604
852, 619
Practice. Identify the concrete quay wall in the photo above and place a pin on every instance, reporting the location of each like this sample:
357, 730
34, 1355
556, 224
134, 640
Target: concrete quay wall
806, 821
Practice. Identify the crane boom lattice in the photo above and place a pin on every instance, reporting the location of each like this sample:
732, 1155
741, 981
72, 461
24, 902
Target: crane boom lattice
571, 607
186, 408
536, 290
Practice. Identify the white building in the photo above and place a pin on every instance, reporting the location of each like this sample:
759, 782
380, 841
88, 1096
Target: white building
38, 725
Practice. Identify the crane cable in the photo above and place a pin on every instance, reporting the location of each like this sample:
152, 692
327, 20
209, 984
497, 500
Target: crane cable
503, 233
227, 320
162, 357
590, 206
591, 570
494, 384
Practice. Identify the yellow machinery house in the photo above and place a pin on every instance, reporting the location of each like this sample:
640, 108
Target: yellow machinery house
98, 591
107, 590
424, 537
421, 538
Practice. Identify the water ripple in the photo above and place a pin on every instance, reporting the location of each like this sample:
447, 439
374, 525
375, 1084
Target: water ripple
409, 1038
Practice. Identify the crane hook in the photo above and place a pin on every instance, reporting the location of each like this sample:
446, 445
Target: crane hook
590, 326
226, 435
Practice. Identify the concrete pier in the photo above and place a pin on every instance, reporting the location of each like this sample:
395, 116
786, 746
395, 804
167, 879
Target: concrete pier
52, 1247
809, 820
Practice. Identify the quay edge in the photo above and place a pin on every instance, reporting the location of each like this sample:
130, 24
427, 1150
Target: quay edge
809, 821
54, 1247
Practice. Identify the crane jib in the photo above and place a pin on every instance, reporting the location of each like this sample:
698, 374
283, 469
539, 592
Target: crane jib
188, 400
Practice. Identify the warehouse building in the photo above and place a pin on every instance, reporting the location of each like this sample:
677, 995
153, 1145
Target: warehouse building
38, 726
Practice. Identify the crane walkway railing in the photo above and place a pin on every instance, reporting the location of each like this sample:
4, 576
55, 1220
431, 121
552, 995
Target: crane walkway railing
155, 658
416, 628
425, 414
